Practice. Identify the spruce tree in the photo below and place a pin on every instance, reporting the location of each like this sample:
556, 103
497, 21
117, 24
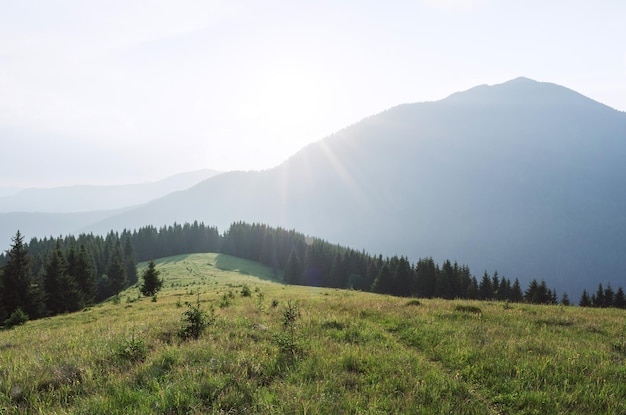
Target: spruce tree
485, 290
151, 281
584, 300
619, 301
62, 291
293, 271
81, 267
609, 296
598, 298
516, 292
20, 288
565, 299
130, 262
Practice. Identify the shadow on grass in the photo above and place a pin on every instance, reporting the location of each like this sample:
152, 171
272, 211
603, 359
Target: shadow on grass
245, 267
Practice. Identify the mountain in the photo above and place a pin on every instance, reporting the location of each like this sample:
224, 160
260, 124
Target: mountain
523, 177
68, 210
97, 198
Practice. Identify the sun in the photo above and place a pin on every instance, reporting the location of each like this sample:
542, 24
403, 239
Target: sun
285, 96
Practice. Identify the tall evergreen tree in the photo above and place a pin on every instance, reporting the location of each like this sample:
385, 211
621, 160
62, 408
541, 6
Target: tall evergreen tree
584, 301
516, 292
131, 263
565, 299
151, 281
619, 301
21, 289
62, 291
597, 300
609, 296
485, 288
426, 277
293, 270
81, 268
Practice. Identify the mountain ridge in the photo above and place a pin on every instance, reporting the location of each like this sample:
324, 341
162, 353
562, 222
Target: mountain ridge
481, 176
519, 177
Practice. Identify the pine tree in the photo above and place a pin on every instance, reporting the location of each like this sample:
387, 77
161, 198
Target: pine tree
609, 296
584, 300
426, 277
80, 266
151, 281
293, 271
565, 299
131, 263
598, 298
619, 301
20, 288
62, 291
516, 292
485, 290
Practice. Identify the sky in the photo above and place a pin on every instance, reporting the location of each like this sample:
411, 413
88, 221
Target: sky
127, 91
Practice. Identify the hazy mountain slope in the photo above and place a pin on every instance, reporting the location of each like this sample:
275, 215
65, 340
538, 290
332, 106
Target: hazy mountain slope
86, 198
39, 225
522, 177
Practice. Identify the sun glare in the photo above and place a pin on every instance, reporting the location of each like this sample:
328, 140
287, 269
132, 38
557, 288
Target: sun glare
284, 97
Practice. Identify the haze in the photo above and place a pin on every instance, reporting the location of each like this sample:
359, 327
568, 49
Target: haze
111, 92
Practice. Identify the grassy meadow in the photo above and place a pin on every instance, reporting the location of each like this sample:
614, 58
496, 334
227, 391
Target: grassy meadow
277, 349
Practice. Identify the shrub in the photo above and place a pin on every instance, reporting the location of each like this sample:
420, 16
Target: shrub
17, 318
413, 302
195, 321
468, 309
132, 350
245, 291
288, 340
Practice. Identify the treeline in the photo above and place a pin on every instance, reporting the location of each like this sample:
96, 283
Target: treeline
603, 298
52, 276
315, 262
55, 275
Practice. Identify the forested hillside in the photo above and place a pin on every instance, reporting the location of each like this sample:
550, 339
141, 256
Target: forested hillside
51, 276
522, 177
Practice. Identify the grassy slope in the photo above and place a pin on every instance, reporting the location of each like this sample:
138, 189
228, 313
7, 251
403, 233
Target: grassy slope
352, 352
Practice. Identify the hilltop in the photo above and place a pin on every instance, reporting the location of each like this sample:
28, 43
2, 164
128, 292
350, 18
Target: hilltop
272, 348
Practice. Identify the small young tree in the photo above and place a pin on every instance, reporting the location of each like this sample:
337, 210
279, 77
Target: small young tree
151, 281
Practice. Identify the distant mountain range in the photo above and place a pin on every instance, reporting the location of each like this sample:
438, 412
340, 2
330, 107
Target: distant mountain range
524, 177
70, 199
40, 212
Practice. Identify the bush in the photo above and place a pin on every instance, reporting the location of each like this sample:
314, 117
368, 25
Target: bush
245, 291
195, 321
17, 318
132, 350
288, 340
468, 309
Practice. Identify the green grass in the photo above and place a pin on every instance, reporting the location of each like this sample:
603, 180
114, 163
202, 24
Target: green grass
287, 349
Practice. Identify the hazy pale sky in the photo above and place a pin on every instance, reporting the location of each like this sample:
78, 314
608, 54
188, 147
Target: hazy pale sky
125, 91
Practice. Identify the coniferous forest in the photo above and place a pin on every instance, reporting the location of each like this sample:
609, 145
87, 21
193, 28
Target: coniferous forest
49, 276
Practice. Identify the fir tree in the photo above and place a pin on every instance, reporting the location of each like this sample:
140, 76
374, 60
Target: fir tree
565, 299
584, 300
151, 281
485, 290
131, 263
516, 292
62, 291
597, 300
609, 296
619, 301
81, 268
293, 271
20, 288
